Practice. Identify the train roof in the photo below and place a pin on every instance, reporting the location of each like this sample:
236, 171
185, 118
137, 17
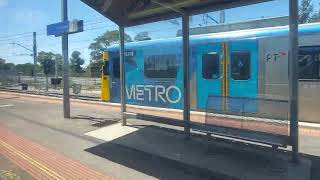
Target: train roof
304, 29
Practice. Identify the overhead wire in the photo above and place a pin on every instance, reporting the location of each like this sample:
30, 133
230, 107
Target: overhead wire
89, 26
42, 31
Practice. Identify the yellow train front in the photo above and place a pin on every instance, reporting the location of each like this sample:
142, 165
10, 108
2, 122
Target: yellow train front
105, 78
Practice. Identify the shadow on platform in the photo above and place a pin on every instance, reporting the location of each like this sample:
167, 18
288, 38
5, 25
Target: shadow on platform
147, 163
315, 169
148, 146
97, 122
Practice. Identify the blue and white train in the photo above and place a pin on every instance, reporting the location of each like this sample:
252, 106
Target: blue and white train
246, 63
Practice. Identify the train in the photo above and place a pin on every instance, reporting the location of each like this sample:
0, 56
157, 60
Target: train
250, 63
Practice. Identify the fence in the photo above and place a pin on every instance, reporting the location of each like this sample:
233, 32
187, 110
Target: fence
9, 78
89, 86
251, 119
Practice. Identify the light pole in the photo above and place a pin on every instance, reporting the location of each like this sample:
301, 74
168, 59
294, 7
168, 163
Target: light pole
55, 66
222, 17
35, 56
34, 53
65, 55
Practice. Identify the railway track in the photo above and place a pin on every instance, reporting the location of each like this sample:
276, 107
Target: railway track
50, 94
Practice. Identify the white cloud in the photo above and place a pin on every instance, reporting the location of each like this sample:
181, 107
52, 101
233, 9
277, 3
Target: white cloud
25, 16
3, 3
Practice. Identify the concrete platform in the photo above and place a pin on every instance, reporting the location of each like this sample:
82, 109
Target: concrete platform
223, 159
10, 171
144, 150
40, 120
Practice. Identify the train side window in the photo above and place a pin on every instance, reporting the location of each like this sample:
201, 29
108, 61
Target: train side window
129, 61
309, 63
210, 65
317, 67
116, 67
240, 65
106, 68
161, 66
306, 65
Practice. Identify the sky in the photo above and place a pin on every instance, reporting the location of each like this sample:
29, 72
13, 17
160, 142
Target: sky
19, 18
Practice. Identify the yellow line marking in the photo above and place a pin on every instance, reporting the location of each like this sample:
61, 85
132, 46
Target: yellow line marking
8, 174
227, 69
223, 84
6, 105
32, 161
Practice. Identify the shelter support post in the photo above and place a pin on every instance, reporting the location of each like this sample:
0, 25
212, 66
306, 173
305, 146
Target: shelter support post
293, 78
186, 74
122, 76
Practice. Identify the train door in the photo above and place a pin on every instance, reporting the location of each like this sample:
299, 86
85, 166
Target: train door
130, 68
115, 77
209, 73
242, 80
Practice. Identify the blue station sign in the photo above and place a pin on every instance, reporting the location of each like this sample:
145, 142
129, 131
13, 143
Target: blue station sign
65, 27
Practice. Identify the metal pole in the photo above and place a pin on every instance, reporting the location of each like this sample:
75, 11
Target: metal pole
56, 67
293, 78
122, 76
65, 55
186, 79
222, 17
35, 56
47, 84
90, 68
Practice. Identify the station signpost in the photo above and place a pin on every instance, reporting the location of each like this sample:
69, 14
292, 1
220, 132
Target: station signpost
63, 29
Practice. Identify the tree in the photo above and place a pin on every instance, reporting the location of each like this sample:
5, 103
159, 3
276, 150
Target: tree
7, 66
100, 43
26, 69
305, 11
315, 16
103, 41
142, 36
48, 60
76, 63
2, 61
